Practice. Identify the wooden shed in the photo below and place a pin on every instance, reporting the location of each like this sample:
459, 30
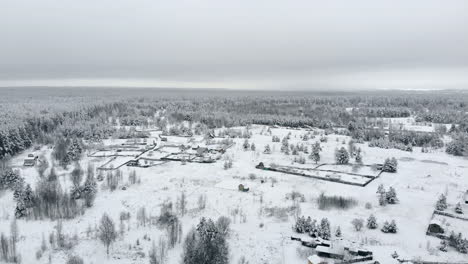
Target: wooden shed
435, 228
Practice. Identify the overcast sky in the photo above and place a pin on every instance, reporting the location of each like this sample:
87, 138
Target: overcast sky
371, 44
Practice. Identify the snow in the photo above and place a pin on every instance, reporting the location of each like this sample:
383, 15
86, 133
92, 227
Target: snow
259, 238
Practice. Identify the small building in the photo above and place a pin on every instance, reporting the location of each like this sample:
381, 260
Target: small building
243, 188
334, 252
133, 163
30, 162
435, 228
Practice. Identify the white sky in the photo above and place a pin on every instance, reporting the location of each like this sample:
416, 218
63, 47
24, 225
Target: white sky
360, 44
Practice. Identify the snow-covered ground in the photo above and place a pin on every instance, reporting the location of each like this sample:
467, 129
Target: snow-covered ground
420, 179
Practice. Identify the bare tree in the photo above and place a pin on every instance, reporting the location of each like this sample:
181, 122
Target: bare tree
107, 232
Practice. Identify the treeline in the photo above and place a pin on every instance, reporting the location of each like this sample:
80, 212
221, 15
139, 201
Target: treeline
92, 113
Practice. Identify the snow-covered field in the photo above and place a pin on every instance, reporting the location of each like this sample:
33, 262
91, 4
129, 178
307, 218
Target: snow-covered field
420, 179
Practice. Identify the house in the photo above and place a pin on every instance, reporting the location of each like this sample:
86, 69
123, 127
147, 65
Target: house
334, 252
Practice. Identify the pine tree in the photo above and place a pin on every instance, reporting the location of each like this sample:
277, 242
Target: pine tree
381, 189
252, 146
443, 245
267, 149
341, 156
390, 165
315, 154
325, 232
338, 232
246, 145
383, 199
391, 196
441, 204
372, 222
358, 157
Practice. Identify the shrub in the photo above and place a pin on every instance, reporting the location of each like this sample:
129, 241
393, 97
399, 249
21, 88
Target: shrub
335, 202
295, 196
357, 223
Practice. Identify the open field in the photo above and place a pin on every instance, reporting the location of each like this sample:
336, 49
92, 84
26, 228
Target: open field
257, 233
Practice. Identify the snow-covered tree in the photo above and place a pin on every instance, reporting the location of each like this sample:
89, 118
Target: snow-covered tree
267, 149
390, 165
441, 204
205, 244
381, 189
372, 222
315, 154
324, 230
458, 209
391, 196
338, 232
357, 223
358, 157
252, 146
389, 227
246, 145
341, 156
107, 231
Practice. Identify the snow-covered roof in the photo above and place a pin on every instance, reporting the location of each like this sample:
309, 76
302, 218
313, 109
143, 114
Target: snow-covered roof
314, 259
336, 250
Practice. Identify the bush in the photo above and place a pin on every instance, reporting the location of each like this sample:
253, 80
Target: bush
357, 223
295, 196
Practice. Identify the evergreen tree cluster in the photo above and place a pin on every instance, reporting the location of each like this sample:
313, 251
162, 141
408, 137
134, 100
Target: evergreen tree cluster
313, 228
458, 242
390, 165
387, 197
207, 243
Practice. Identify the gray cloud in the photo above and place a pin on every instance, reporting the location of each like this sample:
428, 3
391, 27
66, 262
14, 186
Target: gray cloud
245, 44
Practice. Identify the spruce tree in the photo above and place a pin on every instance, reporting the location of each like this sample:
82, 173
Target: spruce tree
342, 156
372, 222
441, 204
